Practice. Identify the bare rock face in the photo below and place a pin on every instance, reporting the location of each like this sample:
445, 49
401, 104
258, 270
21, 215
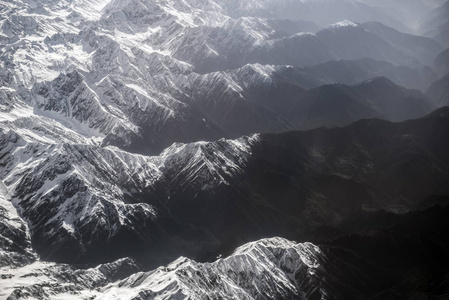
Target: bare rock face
14, 240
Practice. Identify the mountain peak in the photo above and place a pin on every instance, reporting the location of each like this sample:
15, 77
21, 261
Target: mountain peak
380, 80
341, 24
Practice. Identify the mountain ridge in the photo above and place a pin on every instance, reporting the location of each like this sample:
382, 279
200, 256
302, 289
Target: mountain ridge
222, 149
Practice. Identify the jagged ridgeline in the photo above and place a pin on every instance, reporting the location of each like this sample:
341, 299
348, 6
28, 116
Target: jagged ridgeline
224, 149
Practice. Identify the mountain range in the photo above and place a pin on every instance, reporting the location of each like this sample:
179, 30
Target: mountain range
295, 184
191, 149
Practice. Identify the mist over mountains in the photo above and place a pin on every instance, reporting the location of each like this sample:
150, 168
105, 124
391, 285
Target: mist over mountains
224, 149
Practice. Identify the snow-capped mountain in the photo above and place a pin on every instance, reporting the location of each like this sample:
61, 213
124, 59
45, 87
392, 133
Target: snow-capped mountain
282, 269
126, 71
83, 198
141, 133
82, 201
274, 268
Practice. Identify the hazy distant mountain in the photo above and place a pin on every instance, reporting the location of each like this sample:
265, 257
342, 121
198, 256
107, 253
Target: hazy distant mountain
424, 49
409, 12
271, 99
373, 40
441, 63
321, 12
373, 98
351, 72
438, 92
436, 24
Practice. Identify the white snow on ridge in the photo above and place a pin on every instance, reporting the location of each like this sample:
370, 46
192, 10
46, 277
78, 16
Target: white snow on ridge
137, 43
21, 277
267, 262
342, 24
34, 125
11, 218
72, 124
